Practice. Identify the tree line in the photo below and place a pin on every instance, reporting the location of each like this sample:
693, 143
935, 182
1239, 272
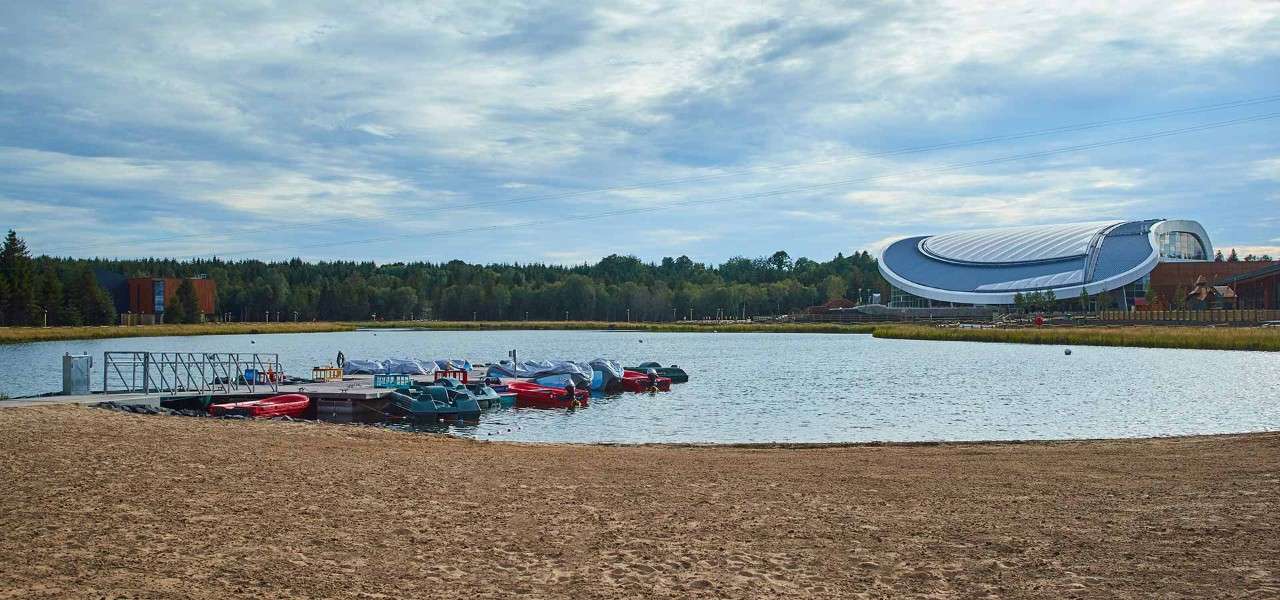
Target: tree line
614, 289
45, 292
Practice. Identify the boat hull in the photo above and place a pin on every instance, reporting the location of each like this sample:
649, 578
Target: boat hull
284, 405
533, 395
635, 381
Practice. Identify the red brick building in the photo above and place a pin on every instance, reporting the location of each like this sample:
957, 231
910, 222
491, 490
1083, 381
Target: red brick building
148, 295
1259, 288
1172, 280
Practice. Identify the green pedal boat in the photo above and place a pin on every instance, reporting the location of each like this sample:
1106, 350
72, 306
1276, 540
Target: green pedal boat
674, 372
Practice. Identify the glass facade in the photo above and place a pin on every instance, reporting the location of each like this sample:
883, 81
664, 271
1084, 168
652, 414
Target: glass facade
902, 299
158, 298
1180, 245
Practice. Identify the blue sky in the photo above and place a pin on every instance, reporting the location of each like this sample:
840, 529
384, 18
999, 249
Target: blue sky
510, 131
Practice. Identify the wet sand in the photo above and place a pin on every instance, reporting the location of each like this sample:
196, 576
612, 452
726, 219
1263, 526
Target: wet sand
99, 504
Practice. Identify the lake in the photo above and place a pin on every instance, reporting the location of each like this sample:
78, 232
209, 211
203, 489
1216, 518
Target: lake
772, 387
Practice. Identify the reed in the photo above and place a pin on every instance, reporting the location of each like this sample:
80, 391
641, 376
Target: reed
1206, 338
678, 327
1199, 338
19, 335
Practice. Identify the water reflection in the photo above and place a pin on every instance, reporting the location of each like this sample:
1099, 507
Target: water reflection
795, 387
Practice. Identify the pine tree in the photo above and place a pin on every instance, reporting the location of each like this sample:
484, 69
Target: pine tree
15, 267
185, 298
4, 297
96, 307
49, 298
1217, 256
1084, 299
175, 312
1233, 257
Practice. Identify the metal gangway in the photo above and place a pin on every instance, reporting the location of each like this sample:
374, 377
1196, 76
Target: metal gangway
174, 372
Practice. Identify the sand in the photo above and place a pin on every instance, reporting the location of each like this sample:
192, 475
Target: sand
98, 504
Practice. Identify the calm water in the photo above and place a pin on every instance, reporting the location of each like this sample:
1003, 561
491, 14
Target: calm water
798, 387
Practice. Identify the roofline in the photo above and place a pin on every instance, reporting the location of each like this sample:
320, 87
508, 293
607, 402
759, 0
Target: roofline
1259, 272
1062, 293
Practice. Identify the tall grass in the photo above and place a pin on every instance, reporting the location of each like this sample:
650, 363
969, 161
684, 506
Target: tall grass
692, 326
1202, 338
1209, 338
18, 335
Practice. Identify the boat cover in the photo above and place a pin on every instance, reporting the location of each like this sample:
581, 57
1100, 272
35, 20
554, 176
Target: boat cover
403, 366
597, 374
581, 373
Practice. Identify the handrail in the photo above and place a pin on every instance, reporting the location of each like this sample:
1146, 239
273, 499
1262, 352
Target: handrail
170, 372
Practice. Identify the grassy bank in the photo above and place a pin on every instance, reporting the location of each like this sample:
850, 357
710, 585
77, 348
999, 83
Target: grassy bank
694, 326
1208, 338
18, 335
1202, 338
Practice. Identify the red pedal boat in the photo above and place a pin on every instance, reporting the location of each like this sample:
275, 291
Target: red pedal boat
532, 395
284, 405
635, 381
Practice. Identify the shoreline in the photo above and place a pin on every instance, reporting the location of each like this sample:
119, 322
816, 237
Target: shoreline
1192, 337
35, 403
105, 504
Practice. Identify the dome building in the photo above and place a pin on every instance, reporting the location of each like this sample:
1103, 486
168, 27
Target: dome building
992, 266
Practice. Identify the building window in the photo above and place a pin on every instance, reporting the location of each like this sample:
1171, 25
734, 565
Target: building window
1180, 245
159, 295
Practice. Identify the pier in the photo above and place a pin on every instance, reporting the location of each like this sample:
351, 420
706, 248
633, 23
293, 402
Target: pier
146, 378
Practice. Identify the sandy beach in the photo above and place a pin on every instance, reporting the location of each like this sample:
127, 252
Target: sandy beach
98, 504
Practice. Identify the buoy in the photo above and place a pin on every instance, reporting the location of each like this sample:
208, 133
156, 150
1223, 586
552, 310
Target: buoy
1067, 352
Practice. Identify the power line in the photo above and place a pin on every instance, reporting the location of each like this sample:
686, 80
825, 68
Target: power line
761, 168
765, 194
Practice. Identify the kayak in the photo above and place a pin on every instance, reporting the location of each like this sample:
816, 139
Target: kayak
636, 381
284, 405
532, 395
674, 373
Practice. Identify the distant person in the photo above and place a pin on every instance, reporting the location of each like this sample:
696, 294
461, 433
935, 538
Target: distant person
342, 359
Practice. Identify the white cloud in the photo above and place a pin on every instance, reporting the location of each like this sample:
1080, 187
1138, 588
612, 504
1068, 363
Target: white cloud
323, 112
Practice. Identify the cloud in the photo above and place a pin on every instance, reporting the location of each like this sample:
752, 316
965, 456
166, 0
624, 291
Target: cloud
1244, 250
198, 120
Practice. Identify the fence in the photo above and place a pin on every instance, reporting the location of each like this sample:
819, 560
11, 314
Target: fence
1192, 316
168, 372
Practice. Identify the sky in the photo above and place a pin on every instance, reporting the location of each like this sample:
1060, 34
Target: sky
548, 132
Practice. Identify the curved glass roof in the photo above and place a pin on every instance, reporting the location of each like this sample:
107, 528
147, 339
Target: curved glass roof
1036, 243
990, 266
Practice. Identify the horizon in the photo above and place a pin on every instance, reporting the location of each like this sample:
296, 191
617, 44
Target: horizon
548, 135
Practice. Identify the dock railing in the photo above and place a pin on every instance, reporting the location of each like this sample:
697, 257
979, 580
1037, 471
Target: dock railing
172, 372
